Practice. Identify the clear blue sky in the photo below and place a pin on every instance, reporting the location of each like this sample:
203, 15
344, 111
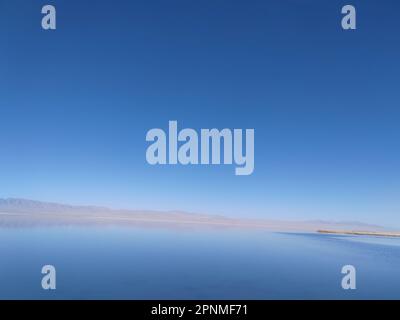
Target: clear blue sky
76, 103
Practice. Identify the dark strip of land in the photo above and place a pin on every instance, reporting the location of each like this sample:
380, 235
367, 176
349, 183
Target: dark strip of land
362, 233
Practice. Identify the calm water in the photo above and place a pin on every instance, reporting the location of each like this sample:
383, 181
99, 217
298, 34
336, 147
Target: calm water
133, 263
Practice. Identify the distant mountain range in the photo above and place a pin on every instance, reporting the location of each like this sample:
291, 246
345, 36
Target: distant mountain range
29, 213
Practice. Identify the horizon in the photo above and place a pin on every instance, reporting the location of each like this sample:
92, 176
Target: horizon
115, 209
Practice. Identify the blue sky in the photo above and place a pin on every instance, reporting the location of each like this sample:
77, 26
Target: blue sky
76, 104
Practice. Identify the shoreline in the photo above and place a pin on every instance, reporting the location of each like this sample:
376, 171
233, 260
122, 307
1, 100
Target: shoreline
175, 220
362, 233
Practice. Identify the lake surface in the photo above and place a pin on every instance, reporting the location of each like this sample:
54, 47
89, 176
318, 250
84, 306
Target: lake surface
135, 263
